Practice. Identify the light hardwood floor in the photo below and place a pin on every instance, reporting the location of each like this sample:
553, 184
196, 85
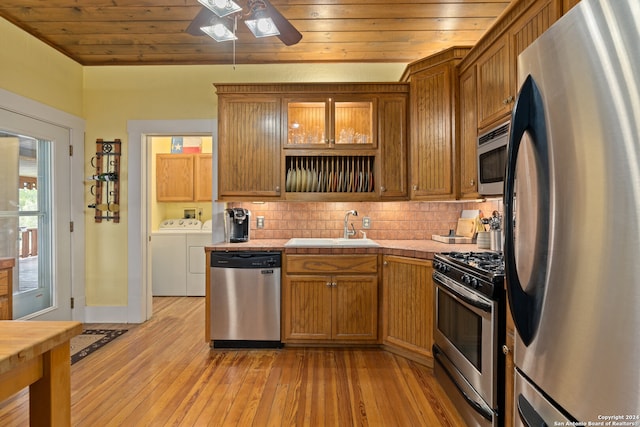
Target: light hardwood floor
163, 373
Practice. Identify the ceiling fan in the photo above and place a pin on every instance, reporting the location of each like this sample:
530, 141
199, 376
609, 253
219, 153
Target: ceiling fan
219, 19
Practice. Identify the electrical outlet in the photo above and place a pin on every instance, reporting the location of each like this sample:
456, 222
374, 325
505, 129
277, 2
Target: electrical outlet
366, 222
260, 221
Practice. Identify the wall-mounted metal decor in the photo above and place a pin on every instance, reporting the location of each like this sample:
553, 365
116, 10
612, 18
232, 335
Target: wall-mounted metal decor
105, 187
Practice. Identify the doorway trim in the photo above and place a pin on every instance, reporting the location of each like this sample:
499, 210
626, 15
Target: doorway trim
139, 306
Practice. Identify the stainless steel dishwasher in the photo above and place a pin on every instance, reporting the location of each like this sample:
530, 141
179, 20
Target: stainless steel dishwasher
245, 299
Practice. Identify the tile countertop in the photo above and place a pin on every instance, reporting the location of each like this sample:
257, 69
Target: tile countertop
420, 249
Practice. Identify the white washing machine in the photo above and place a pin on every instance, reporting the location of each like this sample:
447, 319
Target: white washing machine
178, 258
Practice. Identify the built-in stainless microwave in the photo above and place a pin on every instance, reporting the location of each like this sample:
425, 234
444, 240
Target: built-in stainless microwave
492, 160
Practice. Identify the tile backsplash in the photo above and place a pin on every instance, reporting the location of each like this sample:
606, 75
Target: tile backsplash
389, 220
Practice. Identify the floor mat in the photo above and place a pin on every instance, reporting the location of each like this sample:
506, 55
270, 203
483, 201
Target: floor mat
91, 340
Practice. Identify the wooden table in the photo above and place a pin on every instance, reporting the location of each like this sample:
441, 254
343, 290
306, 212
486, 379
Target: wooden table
36, 354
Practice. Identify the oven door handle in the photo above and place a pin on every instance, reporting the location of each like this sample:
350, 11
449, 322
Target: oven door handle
477, 303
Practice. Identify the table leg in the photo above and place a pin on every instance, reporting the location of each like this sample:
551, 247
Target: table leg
50, 396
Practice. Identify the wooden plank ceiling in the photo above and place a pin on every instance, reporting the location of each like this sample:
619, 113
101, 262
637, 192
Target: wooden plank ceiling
138, 32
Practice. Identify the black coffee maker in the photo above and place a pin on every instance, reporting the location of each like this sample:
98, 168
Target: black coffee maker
236, 225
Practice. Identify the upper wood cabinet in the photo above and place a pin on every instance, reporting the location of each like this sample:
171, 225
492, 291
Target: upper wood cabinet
433, 93
249, 142
392, 130
467, 135
527, 28
312, 142
203, 179
568, 4
495, 91
183, 177
497, 65
174, 177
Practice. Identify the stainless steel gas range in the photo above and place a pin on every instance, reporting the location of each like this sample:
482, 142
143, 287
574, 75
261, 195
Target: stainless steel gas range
469, 331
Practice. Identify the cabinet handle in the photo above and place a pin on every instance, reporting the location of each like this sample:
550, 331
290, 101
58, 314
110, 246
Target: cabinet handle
472, 182
415, 187
505, 349
385, 263
508, 100
383, 189
329, 284
334, 284
277, 189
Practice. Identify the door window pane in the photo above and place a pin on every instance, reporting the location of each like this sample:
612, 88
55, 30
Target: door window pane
25, 209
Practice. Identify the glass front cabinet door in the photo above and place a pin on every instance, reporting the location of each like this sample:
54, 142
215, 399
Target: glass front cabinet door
332, 122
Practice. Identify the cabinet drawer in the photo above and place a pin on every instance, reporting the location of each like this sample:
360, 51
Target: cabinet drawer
332, 264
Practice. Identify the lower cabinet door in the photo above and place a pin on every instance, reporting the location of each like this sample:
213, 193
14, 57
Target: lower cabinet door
407, 288
355, 306
308, 307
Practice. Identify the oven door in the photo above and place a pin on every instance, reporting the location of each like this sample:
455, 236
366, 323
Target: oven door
465, 331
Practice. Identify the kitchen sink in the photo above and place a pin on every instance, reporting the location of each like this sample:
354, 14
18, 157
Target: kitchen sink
327, 242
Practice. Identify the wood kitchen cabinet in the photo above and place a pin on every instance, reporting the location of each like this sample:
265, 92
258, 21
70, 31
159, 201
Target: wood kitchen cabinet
407, 319
249, 143
392, 130
467, 135
203, 178
568, 4
496, 93
330, 298
174, 177
6, 288
527, 28
183, 177
497, 66
433, 93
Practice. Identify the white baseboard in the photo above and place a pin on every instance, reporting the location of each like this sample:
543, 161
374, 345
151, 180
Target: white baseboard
105, 314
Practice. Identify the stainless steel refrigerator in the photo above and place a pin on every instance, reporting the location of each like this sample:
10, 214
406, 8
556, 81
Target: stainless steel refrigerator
572, 219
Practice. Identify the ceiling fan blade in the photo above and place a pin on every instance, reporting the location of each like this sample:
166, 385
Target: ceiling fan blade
289, 35
202, 19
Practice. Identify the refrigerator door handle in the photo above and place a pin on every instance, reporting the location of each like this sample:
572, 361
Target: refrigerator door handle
528, 414
528, 117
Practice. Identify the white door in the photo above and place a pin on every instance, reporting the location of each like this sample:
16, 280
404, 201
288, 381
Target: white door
35, 215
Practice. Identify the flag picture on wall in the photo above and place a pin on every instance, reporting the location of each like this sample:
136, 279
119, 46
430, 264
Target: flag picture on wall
186, 144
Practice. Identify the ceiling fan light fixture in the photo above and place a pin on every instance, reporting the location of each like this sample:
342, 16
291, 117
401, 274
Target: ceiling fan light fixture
221, 8
262, 26
219, 32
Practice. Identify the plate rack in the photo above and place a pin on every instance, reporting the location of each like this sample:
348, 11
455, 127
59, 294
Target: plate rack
105, 186
330, 174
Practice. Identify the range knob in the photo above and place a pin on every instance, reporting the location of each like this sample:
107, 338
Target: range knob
442, 267
475, 283
466, 279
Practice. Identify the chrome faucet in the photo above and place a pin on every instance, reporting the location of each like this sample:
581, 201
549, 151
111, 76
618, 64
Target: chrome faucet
348, 232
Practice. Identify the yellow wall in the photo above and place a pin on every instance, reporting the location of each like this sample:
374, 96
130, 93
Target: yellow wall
34, 70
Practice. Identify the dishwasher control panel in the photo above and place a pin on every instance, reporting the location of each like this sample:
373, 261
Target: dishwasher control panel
246, 259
